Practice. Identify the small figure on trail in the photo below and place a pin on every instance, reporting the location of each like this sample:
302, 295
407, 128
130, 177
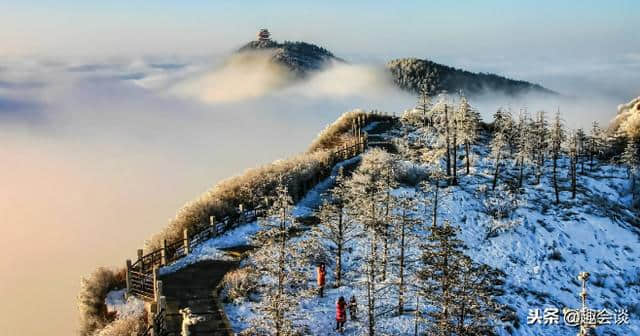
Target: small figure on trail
188, 319
341, 314
321, 273
353, 308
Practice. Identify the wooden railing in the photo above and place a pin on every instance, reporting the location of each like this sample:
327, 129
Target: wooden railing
157, 325
142, 275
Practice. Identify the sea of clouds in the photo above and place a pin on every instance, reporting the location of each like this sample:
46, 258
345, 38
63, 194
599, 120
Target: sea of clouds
100, 153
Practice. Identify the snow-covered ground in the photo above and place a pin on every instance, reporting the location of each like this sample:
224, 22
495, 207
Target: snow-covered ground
540, 246
130, 306
210, 249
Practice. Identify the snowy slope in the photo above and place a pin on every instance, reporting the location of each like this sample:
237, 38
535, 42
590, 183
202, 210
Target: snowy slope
540, 246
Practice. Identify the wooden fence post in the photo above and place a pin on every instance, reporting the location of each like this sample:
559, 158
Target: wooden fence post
161, 308
157, 293
364, 142
212, 223
140, 259
163, 253
162, 303
153, 311
186, 241
128, 278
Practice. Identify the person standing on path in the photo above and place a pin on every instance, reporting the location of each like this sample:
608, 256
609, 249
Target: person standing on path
341, 314
321, 274
353, 308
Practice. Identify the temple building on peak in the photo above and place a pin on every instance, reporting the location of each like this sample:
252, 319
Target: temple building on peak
264, 35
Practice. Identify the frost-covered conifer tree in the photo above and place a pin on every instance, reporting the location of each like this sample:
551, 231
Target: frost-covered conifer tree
424, 103
595, 143
405, 221
467, 128
368, 197
540, 135
573, 148
474, 305
557, 139
443, 127
631, 158
499, 144
441, 257
335, 226
581, 139
524, 146
278, 263
463, 130
432, 187
462, 291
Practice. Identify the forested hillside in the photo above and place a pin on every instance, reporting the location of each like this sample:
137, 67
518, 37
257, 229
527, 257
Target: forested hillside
417, 75
464, 229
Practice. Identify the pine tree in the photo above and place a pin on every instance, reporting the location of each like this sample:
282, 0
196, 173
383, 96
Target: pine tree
462, 291
499, 143
463, 131
631, 158
368, 201
432, 186
277, 259
443, 125
573, 148
424, 103
595, 143
335, 226
581, 139
540, 144
524, 146
474, 305
557, 139
440, 259
405, 221
467, 128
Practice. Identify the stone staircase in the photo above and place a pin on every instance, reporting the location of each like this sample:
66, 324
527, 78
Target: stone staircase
195, 286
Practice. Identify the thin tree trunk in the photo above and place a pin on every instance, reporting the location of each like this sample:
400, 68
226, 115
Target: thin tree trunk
496, 172
371, 292
401, 284
281, 270
445, 291
455, 157
521, 172
574, 177
340, 243
446, 128
592, 153
540, 167
467, 149
385, 252
415, 325
435, 205
555, 178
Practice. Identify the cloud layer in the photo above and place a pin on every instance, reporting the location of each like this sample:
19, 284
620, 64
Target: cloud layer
103, 152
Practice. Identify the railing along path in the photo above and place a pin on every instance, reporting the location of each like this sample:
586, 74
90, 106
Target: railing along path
142, 275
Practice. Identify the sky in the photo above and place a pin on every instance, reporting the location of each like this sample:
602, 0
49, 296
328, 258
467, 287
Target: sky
524, 39
115, 113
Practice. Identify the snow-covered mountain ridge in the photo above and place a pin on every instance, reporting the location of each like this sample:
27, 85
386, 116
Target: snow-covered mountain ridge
539, 245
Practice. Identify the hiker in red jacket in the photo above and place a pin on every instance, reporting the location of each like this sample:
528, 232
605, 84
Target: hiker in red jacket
321, 273
341, 314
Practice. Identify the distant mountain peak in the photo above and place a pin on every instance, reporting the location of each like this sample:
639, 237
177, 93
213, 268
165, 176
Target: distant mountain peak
412, 73
300, 57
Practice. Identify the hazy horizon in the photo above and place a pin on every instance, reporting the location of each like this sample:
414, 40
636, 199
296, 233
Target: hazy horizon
113, 115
